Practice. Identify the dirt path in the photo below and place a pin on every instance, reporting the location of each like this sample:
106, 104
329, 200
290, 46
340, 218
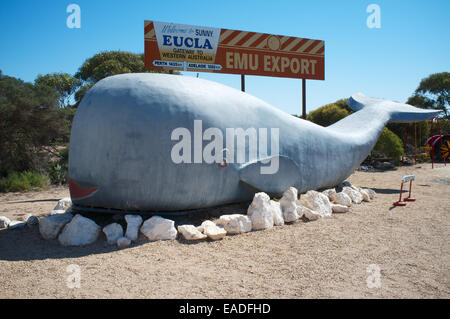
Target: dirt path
325, 258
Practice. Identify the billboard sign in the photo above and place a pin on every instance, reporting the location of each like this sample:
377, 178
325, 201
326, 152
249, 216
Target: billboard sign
204, 49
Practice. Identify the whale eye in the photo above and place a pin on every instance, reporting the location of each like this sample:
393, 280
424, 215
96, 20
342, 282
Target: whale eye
225, 152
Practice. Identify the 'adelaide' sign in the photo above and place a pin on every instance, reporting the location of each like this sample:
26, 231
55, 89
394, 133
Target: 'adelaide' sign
192, 48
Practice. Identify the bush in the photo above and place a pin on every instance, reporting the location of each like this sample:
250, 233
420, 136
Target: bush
58, 169
58, 174
422, 131
23, 181
389, 145
329, 114
30, 119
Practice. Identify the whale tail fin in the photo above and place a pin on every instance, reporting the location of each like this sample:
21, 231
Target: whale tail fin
398, 112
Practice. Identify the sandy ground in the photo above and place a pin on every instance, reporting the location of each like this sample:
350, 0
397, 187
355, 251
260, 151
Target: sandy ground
328, 258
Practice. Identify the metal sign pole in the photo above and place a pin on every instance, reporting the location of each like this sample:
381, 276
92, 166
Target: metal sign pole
304, 99
242, 82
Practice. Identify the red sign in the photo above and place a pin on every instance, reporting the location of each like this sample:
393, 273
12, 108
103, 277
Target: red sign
192, 48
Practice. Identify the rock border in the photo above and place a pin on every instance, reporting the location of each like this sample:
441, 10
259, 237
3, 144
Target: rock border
263, 213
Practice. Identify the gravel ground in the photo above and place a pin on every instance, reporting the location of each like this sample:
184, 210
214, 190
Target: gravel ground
328, 258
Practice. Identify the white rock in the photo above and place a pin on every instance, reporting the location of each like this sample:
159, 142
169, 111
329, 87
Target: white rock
80, 231
317, 202
158, 228
235, 223
4, 222
50, 226
57, 211
260, 212
288, 204
300, 208
371, 192
341, 199
290, 213
365, 195
32, 220
310, 214
355, 195
329, 192
113, 232
123, 242
133, 224
339, 208
63, 204
190, 232
290, 194
211, 230
277, 213
15, 224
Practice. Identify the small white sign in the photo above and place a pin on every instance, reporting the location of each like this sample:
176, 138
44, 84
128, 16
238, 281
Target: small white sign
204, 66
169, 64
408, 178
187, 65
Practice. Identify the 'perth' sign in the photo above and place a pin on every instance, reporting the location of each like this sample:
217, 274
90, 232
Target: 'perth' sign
192, 48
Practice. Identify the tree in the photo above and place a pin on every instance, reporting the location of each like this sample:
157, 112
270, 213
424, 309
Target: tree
433, 92
105, 64
79, 95
109, 63
65, 84
29, 119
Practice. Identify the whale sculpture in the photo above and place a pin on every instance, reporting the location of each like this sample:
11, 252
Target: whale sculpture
135, 144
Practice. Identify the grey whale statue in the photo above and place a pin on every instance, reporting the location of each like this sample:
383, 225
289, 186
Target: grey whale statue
120, 144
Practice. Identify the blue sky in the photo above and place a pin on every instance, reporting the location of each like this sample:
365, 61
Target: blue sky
413, 41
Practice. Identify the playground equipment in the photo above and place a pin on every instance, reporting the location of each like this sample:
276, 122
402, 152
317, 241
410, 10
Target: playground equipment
405, 179
437, 147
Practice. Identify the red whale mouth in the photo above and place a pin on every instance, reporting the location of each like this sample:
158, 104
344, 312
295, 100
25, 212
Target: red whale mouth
79, 192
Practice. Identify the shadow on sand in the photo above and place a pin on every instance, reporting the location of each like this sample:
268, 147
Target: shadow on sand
387, 190
35, 201
27, 244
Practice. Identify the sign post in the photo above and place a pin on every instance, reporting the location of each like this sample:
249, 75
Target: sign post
405, 179
304, 99
182, 47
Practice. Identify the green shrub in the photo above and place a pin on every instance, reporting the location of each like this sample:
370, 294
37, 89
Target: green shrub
58, 169
58, 174
389, 145
64, 153
23, 181
329, 114
421, 134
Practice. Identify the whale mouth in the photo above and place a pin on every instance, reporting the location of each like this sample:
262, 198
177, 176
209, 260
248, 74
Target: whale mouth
78, 191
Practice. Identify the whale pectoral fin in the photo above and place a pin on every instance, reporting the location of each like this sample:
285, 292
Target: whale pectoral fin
272, 175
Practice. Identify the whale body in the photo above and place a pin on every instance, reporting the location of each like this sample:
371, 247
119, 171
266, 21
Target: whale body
122, 144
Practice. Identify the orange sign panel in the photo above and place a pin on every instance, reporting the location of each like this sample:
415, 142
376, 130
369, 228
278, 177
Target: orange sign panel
192, 48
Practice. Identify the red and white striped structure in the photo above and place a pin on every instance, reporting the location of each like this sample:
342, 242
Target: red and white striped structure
264, 41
